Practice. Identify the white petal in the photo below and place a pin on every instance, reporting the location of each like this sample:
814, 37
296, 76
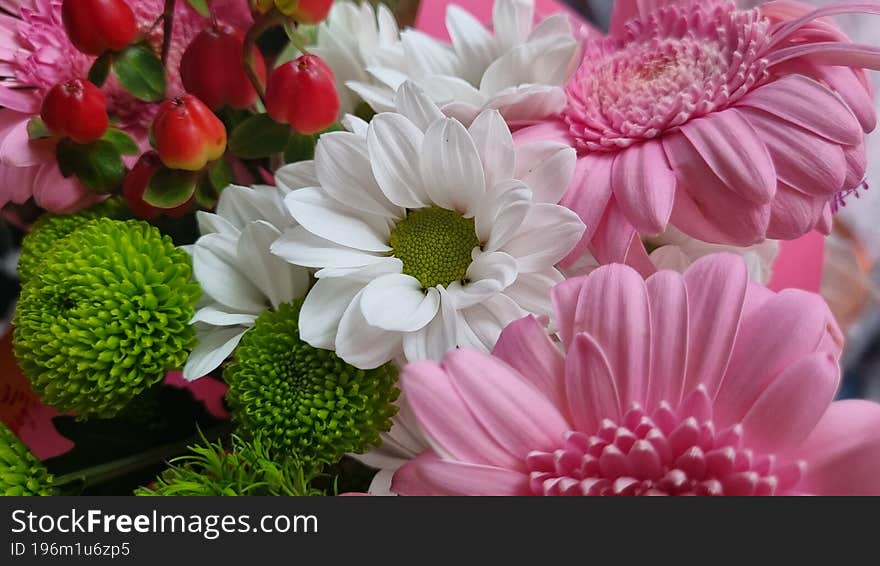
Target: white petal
222, 280
437, 337
472, 42
343, 168
495, 145
362, 345
398, 303
526, 104
558, 24
323, 309
412, 102
426, 56
297, 176
242, 205
388, 30
328, 218
451, 168
215, 315
464, 112
210, 223
392, 78
547, 234
501, 213
531, 291
512, 20
484, 322
394, 144
489, 274
380, 485
300, 247
380, 98
214, 347
547, 168
278, 280
353, 124
443, 89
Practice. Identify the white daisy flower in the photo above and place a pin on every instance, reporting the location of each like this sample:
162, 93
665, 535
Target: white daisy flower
239, 276
519, 69
427, 235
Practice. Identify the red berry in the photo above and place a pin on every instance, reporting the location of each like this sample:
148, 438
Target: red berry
76, 109
187, 134
212, 68
302, 93
136, 183
96, 26
312, 11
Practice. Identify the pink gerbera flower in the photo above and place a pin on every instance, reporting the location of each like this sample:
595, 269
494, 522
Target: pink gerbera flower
35, 55
735, 125
699, 383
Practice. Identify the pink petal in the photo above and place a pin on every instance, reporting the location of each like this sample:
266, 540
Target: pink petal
524, 345
17, 149
590, 190
716, 287
644, 186
549, 130
806, 103
846, 83
17, 183
614, 236
733, 150
843, 451
625, 10
450, 427
856, 165
787, 328
793, 213
429, 475
803, 160
705, 207
21, 100
590, 385
516, 415
564, 297
613, 310
788, 410
668, 298
56, 193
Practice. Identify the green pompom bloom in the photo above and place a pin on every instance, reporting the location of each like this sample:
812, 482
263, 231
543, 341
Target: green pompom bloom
21, 473
106, 316
50, 229
247, 469
304, 400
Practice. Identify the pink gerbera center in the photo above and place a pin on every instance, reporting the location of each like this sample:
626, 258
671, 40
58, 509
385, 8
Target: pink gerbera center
681, 62
660, 453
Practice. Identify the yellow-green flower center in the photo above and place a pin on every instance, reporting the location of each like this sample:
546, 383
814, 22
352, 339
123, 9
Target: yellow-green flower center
435, 245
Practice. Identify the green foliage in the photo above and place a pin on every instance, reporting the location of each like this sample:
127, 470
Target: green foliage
21, 473
106, 316
140, 72
247, 469
303, 400
258, 136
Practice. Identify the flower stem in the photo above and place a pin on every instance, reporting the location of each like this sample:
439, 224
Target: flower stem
263, 23
167, 29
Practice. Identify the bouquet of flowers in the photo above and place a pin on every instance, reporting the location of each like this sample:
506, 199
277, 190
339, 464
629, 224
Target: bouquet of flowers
508, 256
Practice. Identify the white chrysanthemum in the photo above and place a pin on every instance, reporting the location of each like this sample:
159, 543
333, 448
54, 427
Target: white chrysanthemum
518, 68
354, 37
427, 235
239, 276
676, 251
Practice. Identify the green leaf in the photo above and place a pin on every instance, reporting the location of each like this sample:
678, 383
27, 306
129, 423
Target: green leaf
101, 69
170, 188
97, 165
259, 136
121, 141
200, 6
140, 72
37, 129
300, 147
220, 175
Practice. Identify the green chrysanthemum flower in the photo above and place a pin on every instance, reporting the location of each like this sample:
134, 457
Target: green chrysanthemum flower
51, 229
21, 473
105, 317
303, 400
247, 469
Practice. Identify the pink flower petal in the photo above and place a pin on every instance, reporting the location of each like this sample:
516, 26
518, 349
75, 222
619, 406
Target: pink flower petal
18, 150
614, 236
56, 193
590, 385
806, 103
843, 451
429, 475
644, 186
716, 287
735, 153
524, 345
509, 409
793, 213
668, 298
771, 425
589, 191
450, 426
